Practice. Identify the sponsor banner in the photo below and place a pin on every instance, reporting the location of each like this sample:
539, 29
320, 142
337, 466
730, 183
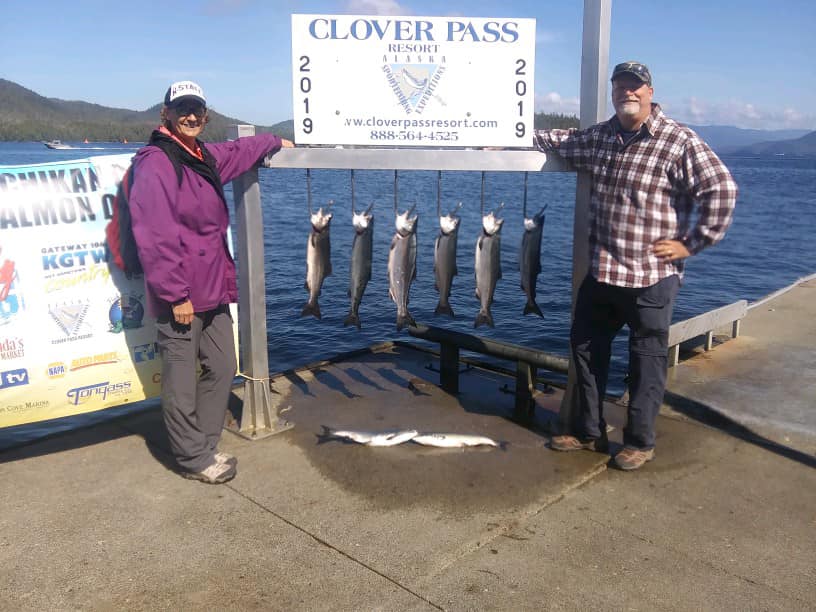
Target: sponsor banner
413, 81
74, 334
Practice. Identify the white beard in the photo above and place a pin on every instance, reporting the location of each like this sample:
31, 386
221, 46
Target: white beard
629, 108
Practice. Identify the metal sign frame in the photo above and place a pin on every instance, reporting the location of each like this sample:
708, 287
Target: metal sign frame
259, 417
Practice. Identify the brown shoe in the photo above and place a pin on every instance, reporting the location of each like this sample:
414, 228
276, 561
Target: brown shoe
571, 443
632, 458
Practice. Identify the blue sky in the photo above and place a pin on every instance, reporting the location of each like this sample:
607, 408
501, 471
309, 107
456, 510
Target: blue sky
748, 63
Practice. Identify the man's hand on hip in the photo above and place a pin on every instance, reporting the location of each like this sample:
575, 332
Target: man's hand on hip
670, 250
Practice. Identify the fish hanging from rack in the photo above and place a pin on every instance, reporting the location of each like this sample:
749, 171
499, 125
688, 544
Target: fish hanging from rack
360, 272
488, 265
445, 259
318, 259
402, 265
530, 259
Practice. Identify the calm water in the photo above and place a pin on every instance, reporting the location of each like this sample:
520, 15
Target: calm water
770, 244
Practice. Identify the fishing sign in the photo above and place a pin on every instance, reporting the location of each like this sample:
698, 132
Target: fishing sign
413, 81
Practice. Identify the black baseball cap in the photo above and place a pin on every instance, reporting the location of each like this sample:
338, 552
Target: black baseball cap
636, 69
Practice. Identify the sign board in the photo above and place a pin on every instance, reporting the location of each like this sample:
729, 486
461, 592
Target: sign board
74, 333
413, 81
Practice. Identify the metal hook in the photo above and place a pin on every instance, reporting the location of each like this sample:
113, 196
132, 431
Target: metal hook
396, 210
439, 193
352, 191
483, 191
309, 188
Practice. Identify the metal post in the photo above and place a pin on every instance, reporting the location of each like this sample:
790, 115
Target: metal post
449, 367
258, 418
525, 388
594, 75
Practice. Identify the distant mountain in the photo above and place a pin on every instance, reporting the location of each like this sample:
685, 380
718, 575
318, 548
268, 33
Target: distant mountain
727, 139
799, 147
26, 115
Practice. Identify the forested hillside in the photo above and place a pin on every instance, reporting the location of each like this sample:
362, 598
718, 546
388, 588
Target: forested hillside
26, 115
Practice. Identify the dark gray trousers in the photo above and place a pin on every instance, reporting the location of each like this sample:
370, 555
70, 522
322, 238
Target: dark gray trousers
194, 406
601, 310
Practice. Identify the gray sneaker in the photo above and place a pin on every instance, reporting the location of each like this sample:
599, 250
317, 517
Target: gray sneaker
216, 473
633, 459
566, 443
221, 457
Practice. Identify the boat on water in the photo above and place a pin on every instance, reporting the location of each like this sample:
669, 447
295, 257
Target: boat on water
57, 144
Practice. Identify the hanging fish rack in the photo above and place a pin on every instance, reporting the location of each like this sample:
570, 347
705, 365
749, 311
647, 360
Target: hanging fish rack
260, 417
416, 159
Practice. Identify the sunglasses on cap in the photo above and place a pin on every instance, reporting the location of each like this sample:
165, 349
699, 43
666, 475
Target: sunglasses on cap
640, 71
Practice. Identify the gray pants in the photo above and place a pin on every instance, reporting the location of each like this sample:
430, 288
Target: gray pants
194, 406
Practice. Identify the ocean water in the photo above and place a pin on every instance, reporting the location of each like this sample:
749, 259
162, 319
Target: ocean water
771, 243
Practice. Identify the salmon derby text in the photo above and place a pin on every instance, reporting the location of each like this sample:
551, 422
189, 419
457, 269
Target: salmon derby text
405, 30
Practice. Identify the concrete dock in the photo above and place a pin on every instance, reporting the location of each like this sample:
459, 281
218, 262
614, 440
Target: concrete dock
723, 519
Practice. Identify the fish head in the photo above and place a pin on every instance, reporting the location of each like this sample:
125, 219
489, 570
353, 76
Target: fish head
491, 224
320, 220
361, 220
531, 223
448, 223
406, 224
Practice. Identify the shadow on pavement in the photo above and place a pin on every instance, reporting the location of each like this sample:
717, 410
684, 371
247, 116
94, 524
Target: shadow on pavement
709, 416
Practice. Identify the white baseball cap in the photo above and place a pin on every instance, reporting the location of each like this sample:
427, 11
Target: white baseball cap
184, 90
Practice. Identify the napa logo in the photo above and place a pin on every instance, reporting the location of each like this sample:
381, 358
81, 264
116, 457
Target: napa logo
13, 378
125, 312
56, 369
414, 84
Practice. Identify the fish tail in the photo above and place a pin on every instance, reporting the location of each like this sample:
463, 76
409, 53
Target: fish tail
531, 306
311, 308
405, 320
352, 319
444, 309
483, 318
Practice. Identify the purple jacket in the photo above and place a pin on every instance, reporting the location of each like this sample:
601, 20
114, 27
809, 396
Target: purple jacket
181, 231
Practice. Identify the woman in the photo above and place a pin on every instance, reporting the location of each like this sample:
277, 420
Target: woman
180, 222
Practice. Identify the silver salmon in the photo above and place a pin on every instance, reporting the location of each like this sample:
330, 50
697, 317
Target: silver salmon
488, 266
361, 248
402, 266
318, 260
530, 259
371, 438
445, 260
452, 440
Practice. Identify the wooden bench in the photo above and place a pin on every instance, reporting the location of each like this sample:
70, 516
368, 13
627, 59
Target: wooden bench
527, 361
705, 324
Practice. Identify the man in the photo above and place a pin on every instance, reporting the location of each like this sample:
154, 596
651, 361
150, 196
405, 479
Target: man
648, 172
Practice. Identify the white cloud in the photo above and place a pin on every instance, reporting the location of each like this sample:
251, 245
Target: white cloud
738, 113
544, 37
553, 102
376, 7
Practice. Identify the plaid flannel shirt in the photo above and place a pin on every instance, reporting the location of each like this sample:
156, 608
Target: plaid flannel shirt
644, 191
